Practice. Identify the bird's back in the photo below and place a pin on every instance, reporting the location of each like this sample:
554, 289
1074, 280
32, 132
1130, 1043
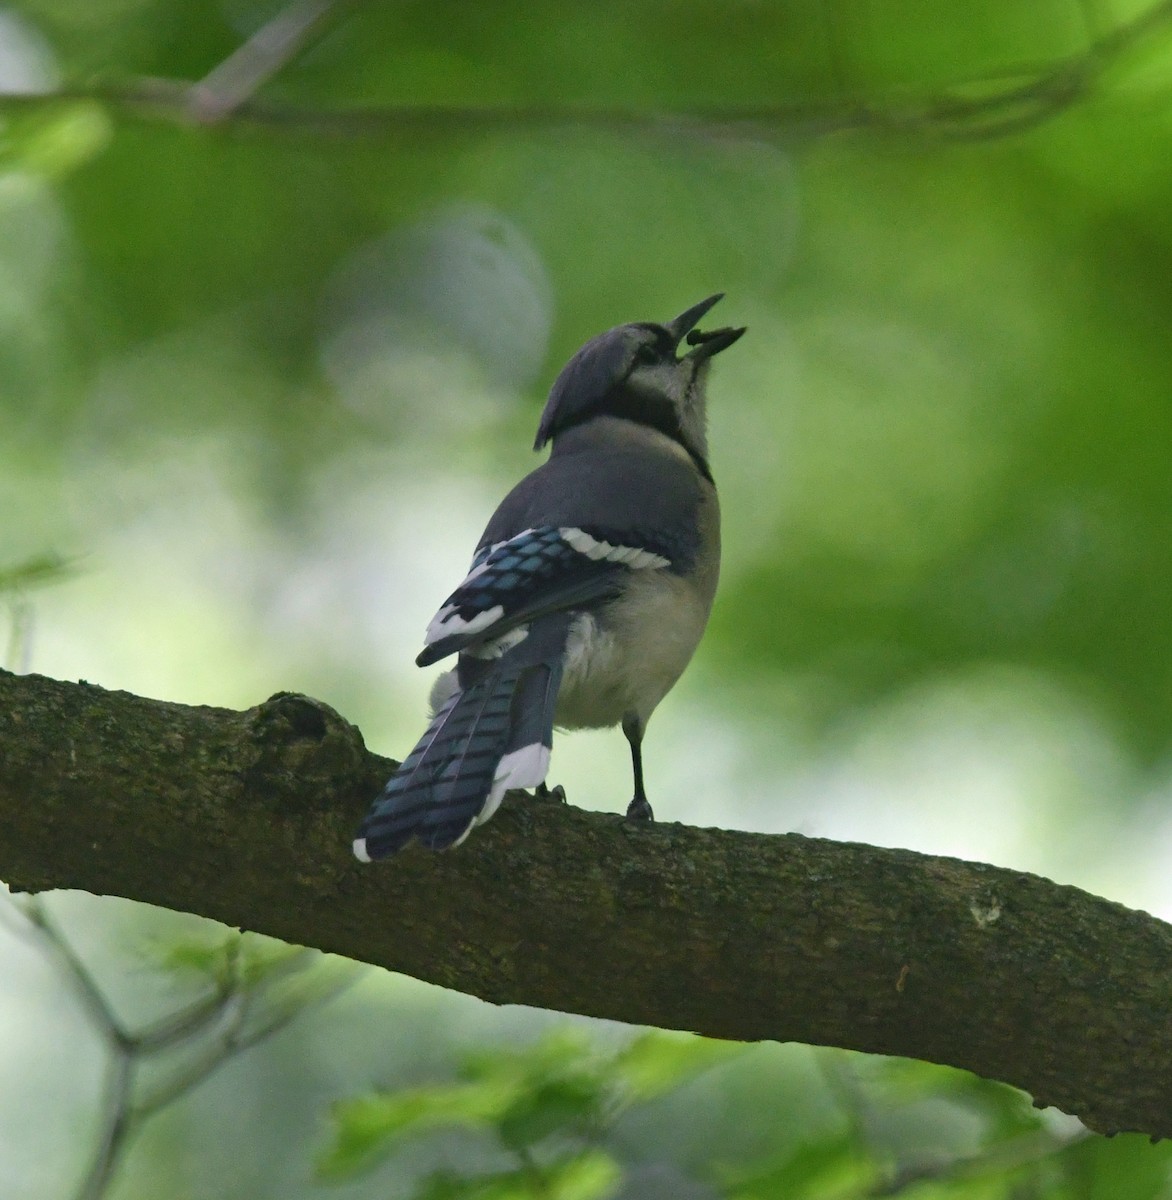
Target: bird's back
668, 505
623, 657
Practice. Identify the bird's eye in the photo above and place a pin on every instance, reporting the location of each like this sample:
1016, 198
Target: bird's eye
646, 353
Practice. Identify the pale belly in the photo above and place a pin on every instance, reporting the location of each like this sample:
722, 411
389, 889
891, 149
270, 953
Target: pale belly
627, 666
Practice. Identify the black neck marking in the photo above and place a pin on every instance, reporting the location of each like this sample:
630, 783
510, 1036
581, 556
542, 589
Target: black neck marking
653, 411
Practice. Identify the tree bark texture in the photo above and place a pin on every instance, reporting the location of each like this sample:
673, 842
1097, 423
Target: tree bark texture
247, 817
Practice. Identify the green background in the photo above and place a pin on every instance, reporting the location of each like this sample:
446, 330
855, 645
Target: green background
263, 380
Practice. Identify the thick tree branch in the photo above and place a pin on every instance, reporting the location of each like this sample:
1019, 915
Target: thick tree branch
247, 818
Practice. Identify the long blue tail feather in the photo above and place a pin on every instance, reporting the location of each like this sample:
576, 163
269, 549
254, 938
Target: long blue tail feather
449, 780
442, 784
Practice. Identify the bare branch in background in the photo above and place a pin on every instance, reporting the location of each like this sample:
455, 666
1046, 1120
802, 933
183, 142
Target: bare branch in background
236, 1014
16, 581
21, 620
225, 88
977, 108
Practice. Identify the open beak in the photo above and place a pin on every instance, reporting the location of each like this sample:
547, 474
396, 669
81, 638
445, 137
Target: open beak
706, 344
688, 319
713, 342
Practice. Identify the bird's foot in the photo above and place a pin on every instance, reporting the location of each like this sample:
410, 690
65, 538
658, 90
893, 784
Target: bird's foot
640, 810
557, 793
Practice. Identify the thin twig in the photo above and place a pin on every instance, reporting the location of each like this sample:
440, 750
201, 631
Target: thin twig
20, 634
92, 1000
1042, 94
843, 1084
226, 87
194, 1072
176, 1027
15, 918
120, 1066
231, 1001
231, 1041
115, 1124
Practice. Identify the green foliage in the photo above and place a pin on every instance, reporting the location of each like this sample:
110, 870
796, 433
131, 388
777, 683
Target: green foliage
654, 1063
240, 361
561, 1089
54, 142
590, 1175
815, 1170
1125, 1168
367, 1127
559, 1110
207, 951
1006, 1112
204, 951
977, 331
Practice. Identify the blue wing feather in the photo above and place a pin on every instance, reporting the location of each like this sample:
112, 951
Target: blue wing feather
539, 571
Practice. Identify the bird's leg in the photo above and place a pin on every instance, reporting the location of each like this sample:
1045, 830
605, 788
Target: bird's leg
638, 809
557, 793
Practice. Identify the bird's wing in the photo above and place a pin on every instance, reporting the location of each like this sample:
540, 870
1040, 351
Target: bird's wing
540, 570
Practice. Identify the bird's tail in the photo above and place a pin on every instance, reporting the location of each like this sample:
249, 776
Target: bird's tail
492, 735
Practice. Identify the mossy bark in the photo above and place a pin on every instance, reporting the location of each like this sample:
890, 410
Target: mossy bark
247, 817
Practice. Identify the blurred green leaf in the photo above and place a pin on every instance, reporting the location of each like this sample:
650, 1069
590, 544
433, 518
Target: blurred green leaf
447, 1185
1006, 1111
367, 1128
557, 1082
264, 959
654, 1062
565, 1102
588, 1176
1009, 1113
567, 1048
562, 1084
39, 571
824, 1167
1127, 1167
56, 141
252, 959
204, 951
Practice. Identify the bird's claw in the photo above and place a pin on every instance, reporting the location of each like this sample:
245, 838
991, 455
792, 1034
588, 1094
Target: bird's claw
557, 793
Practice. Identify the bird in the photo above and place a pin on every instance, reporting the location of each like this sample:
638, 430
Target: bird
588, 591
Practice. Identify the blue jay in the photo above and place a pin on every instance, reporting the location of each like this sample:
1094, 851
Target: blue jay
587, 594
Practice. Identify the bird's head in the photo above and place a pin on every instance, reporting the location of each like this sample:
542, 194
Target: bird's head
635, 371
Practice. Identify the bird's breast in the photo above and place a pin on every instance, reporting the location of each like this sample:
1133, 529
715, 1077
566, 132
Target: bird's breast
624, 657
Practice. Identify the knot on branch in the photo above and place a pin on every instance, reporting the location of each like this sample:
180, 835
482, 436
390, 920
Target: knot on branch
304, 748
